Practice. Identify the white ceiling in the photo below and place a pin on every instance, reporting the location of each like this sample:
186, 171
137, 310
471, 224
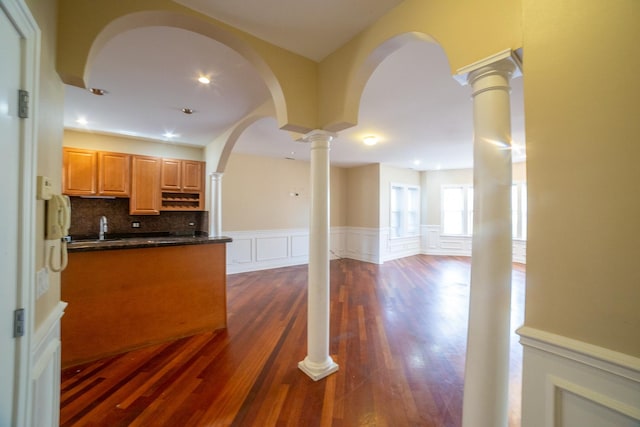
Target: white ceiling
411, 102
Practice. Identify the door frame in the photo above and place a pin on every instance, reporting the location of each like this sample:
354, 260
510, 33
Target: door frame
18, 12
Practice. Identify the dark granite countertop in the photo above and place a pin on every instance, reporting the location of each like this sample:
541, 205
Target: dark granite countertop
87, 244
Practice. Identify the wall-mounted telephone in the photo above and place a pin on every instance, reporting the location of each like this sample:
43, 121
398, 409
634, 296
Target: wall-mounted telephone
57, 227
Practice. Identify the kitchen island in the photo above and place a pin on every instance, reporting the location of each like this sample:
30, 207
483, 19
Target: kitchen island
127, 293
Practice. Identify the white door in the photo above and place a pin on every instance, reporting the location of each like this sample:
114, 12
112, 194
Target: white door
10, 72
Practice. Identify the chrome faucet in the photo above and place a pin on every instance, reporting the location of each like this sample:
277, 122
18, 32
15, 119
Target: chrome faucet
103, 227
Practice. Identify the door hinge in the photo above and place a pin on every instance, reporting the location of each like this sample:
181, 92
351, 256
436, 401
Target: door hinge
18, 323
23, 104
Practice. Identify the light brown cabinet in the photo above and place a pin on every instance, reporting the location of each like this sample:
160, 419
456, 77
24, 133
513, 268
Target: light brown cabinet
145, 186
80, 172
114, 174
153, 184
182, 175
182, 183
95, 173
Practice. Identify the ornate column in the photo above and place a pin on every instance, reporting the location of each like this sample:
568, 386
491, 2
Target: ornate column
318, 364
486, 380
215, 213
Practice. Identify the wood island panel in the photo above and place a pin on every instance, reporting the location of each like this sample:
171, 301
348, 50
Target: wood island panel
129, 298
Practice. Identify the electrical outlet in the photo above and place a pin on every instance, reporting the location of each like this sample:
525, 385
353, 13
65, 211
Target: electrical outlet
135, 224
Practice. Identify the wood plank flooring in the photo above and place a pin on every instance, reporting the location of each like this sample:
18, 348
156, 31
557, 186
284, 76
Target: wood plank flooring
398, 333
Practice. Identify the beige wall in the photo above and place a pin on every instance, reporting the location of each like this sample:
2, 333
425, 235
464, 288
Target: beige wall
257, 194
581, 103
49, 140
120, 144
363, 203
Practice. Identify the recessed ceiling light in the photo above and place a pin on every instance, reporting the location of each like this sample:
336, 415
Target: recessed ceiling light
370, 140
204, 80
97, 91
187, 110
170, 135
416, 162
82, 121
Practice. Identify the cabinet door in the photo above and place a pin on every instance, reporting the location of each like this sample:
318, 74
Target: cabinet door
192, 176
80, 169
171, 175
145, 186
113, 178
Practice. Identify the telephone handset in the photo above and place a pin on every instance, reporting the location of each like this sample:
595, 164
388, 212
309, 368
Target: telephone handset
57, 227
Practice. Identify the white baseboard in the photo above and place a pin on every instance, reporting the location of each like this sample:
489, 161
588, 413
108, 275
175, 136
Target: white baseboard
569, 383
45, 371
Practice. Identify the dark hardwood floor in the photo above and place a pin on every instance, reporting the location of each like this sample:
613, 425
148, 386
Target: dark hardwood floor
398, 332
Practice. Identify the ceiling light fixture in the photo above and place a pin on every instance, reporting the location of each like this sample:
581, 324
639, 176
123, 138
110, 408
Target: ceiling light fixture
187, 110
97, 91
170, 135
370, 140
82, 121
204, 80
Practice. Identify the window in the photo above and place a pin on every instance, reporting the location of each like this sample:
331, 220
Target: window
457, 210
405, 211
519, 210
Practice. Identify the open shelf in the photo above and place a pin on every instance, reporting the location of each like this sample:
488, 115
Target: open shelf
181, 201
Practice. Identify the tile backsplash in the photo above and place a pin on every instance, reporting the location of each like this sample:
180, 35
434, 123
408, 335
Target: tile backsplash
86, 213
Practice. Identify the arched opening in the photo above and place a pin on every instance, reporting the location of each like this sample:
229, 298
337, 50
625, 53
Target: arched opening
218, 40
410, 90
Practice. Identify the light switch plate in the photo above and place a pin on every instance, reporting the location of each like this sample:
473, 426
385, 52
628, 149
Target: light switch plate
42, 279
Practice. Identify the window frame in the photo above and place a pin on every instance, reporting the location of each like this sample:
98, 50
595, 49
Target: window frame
405, 212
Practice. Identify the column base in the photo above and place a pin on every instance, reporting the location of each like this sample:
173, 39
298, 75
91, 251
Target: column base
317, 371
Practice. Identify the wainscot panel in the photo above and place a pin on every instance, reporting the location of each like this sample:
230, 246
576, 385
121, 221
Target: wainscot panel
568, 383
435, 243
46, 357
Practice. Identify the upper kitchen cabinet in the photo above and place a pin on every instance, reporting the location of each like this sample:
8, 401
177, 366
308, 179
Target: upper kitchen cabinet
95, 173
80, 172
145, 186
182, 175
114, 174
182, 184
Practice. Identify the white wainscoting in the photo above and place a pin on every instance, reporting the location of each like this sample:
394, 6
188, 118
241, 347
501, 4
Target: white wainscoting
435, 243
363, 244
45, 399
400, 247
265, 249
568, 383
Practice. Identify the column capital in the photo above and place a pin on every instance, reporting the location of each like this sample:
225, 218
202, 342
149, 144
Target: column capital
216, 175
506, 63
318, 135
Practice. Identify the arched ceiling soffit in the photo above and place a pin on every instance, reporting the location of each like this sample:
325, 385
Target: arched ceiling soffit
176, 20
233, 137
362, 72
